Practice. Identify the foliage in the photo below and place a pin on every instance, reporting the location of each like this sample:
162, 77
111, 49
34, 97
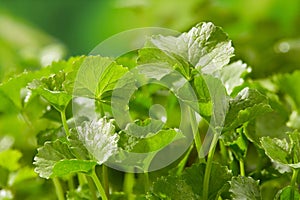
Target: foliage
243, 158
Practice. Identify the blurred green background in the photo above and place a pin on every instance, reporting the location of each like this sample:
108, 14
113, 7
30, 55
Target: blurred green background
265, 33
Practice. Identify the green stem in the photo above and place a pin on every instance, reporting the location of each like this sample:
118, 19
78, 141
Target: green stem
146, 182
92, 188
71, 183
294, 177
183, 162
197, 141
128, 185
83, 180
209, 166
58, 189
64, 122
293, 183
223, 151
242, 167
197, 138
101, 110
105, 180
98, 185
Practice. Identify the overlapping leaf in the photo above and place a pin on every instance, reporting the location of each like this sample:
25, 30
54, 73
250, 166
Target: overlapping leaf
282, 151
20, 81
60, 158
289, 85
55, 159
50, 154
246, 106
286, 193
232, 75
157, 141
243, 187
189, 184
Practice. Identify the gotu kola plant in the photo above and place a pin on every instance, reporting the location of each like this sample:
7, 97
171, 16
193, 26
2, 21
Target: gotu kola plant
202, 56
73, 152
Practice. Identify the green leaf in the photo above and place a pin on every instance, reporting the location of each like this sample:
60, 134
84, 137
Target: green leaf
246, 106
286, 153
232, 75
237, 142
219, 99
166, 76
212, 99
59, 158
219, 177
9, 159
126, 141
20, 81
52, 90
154, 55
289, 84
143, 128
50, 154
128, 59
285, 193
205, 46
98, 76
109, 79
157, 141
269, 124
190, 183
49, 135
99, 138
77, 146
57, 88
147, 74
171, 187
295, 147
240, 147
243, 187
59, 100
65, 167
203, 95
276, 149
146, 148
